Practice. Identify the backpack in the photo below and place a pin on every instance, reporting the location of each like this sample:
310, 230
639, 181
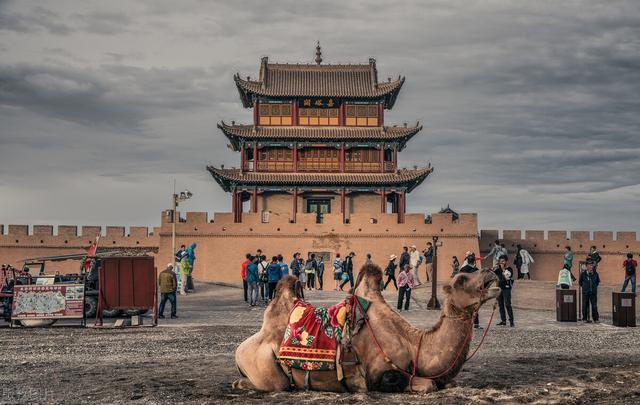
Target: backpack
629, 268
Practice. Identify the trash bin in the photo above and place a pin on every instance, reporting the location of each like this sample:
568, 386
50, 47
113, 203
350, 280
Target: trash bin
566, 310
624, 309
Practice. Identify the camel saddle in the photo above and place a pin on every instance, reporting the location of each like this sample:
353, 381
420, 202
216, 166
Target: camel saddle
319, 338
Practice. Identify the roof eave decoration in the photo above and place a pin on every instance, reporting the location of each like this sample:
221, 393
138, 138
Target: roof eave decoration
409, 179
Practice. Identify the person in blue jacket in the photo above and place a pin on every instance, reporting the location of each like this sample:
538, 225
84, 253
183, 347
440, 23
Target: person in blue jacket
283, 266
274, 274
252, 280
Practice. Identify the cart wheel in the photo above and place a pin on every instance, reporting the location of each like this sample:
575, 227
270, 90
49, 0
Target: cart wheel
90, 307
36, 323
110, 313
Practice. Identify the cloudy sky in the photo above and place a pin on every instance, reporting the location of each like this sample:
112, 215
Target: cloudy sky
531, 110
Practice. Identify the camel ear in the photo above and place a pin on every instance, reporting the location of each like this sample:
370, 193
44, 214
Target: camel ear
447, 289
460, 280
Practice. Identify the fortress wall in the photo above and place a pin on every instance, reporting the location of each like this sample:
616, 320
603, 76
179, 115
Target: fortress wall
19, 243
222, 244
548, 252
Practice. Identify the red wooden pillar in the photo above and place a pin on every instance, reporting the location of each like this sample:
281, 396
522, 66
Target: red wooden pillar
395, 157
401, 207
342, 205
234, 206
254, 200
255, 156
381, 114
381, 158
256, 116
341, 114
295, 157
295, 204
242, 153
342, 158
383, 202
294, 111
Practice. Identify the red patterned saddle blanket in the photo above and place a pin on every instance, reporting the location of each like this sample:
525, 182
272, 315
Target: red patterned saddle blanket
312, 334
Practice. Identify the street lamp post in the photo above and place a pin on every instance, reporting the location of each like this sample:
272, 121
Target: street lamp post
176, 199
433, 302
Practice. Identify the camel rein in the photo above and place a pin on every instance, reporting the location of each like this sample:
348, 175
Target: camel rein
467, 339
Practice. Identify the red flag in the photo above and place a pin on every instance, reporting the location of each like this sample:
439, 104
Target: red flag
91, 252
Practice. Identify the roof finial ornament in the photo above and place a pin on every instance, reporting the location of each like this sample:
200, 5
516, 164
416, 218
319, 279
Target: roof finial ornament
318, 53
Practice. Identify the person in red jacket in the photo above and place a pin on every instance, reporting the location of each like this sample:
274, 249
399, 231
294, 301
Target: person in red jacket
243, 273
630, 266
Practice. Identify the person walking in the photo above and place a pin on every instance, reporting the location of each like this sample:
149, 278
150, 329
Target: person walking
191, 253
337, 271
284, 269
320, 273
168, 284
348, 267
469, 267
517, 261
414, 258
311, 268
263, 278
455, 266
252, 280
406, 282
630, 267
390, 272
185, 270
495, 253
405, 258
527, 260
595, 257
589, 281
428, 260
505, 282
565, 278
274, 274
243, 274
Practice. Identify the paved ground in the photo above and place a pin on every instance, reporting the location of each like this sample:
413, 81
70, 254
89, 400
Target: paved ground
190, 359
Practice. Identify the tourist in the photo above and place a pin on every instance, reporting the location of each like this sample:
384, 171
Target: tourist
252, 280
505, 282
337, 271
630, 266
168, 284
405, 257
469, 267
594, 256
263, 278
428, 260
495, 253
295, 266
589, 281
274, 274
320, 274
414, 258
191, 253
504, 251
311, 268
527, 260
303, 275
181, 252
347, 270
565, 277
185, 270
243, 274
568, 258
405, 283
284, 269
390, 272
517, 261
455, 266
368, 261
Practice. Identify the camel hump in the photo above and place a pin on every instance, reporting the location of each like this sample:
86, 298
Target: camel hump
289, 285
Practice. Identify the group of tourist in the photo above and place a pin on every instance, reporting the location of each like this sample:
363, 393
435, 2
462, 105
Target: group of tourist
260, 277
176, 277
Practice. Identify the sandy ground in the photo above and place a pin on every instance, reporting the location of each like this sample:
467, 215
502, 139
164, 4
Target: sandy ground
190, 359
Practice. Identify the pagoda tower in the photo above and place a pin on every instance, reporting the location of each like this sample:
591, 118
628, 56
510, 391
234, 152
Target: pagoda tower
318, 143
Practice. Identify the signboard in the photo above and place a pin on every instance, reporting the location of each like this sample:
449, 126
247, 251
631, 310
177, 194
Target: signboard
625, 302
318, 102
45, 280
48, 301
568, 299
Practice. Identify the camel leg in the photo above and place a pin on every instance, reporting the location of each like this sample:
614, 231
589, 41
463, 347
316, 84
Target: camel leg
256, 361
421, 384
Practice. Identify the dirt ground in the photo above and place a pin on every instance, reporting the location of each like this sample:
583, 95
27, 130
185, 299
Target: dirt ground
190, 359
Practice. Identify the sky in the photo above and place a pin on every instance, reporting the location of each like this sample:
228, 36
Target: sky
531, 109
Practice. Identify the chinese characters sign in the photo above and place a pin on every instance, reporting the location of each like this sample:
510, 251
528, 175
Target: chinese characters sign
48, 301
318, 102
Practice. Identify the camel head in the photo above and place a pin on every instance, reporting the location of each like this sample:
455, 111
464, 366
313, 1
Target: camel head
368, 281
289, 289
466, 292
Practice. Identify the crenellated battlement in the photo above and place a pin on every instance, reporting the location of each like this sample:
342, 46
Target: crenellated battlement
69, 235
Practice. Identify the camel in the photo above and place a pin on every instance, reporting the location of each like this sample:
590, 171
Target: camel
393, 355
